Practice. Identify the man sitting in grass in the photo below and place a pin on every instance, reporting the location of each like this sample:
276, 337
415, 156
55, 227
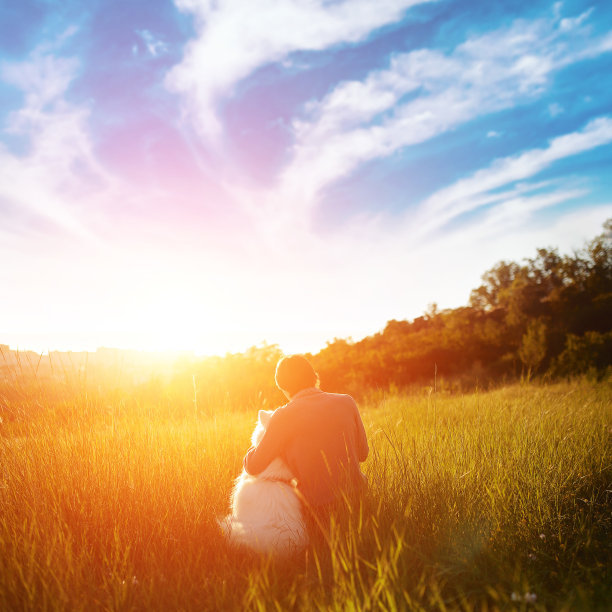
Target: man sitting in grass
319, 435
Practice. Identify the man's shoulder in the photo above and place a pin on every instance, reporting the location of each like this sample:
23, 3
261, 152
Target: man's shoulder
280, 412
344, 397
320, 397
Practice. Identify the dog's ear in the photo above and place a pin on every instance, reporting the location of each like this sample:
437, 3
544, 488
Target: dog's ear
264, 417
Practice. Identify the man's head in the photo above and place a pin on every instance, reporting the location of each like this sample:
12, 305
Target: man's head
294, 374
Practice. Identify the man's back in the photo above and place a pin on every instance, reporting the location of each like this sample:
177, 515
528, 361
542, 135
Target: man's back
321, 438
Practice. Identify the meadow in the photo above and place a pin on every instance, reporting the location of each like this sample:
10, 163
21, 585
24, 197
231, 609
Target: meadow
496, 500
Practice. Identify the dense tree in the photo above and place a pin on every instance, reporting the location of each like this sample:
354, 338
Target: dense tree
533, 345
550, 312
496, 282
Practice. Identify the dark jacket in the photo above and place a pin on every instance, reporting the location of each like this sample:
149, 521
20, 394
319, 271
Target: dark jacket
321, 437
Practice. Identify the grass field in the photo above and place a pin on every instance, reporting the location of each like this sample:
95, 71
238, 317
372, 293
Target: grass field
496, 500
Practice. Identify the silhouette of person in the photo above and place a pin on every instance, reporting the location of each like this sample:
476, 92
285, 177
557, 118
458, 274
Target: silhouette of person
319, 435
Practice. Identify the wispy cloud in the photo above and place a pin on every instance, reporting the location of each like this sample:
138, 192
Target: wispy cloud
59, 170
178, 243
555, 109
359, 121
570, 23
43, 79
155, 46
238, 36
481, 188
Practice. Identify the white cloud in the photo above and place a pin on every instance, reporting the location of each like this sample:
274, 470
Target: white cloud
155, 46
480, 188
419, 95
493, 134
59, 171
555, 109
364, 261
236, 37
513, 214
359, 121
331, 283
43, 78
570, 23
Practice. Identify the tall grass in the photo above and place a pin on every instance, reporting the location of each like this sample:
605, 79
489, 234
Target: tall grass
497, 500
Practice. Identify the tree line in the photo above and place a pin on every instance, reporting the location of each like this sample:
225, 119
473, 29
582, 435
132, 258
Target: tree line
549, 315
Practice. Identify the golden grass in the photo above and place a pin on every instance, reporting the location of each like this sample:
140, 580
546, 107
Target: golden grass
475, 501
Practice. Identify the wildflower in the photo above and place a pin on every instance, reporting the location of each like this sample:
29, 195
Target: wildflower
531, 556
542, 536
530, 598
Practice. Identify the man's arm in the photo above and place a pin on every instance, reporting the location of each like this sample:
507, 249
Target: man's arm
271, 446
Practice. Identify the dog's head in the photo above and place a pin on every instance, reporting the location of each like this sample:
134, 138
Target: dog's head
261, 426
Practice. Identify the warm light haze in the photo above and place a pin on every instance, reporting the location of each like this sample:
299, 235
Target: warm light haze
207, 176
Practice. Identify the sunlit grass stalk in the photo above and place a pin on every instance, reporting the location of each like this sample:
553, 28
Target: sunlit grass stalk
111, 502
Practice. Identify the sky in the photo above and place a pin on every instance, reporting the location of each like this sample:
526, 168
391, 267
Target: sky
210, 175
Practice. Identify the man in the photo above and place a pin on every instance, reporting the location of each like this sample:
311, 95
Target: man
320, 436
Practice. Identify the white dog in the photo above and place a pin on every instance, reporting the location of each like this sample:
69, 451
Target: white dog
266, 513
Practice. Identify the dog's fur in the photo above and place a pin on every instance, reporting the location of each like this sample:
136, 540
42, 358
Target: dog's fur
266, 513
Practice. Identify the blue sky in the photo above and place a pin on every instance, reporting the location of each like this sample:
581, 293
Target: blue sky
211, 175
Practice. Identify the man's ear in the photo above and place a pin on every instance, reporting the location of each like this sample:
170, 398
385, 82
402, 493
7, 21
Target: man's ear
264, 417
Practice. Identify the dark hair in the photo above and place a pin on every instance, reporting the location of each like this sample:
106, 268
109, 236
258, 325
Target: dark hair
294, 374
